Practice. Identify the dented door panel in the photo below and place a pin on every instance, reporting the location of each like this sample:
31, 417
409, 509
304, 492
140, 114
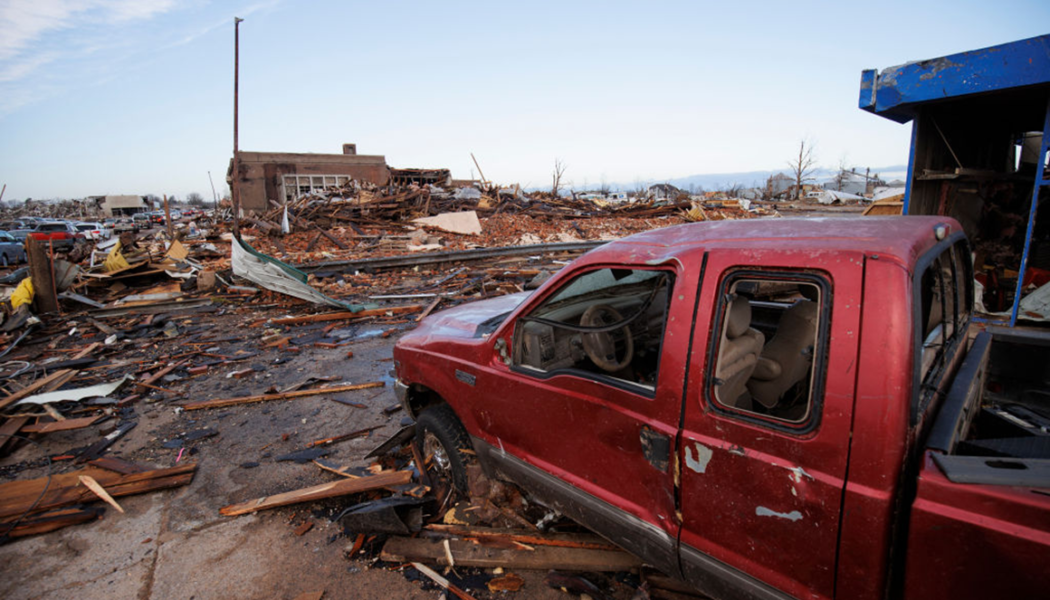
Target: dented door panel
760, 501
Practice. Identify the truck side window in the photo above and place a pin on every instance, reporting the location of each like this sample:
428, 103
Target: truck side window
769, 347
607, 324
944, 300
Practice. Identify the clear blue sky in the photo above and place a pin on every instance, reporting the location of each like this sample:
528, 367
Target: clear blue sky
135, 96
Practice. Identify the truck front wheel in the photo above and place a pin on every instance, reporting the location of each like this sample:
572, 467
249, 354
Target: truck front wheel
444, 446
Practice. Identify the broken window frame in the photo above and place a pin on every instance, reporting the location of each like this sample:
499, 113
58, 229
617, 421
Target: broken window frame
818, 372
294, 186
931, 368
667, 281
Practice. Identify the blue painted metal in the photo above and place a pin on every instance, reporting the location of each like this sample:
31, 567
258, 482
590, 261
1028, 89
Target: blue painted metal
896, 91
1039, 183
911, 167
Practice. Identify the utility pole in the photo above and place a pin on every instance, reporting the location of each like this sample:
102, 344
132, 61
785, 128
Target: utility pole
235, 190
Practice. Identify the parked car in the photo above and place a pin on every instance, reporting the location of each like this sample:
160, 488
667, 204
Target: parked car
762, 408
18, 229
12, 250
60, 234
141, 221
123, 224
94, 231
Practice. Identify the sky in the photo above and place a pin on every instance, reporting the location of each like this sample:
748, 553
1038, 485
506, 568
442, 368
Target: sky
136, 96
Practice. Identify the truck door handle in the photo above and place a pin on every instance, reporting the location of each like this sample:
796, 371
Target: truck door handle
656, 447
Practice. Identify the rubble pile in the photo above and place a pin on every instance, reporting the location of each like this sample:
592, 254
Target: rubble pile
161, 335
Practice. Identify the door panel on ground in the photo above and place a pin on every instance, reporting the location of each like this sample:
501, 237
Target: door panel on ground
767, 416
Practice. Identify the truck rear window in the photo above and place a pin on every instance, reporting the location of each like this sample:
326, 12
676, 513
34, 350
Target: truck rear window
768, 348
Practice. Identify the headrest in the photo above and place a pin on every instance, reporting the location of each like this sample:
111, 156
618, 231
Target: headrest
739, 317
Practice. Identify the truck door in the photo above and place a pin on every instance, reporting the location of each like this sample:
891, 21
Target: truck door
765, 440
588, 409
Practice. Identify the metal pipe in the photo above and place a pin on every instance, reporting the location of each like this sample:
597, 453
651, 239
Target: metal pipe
391, 262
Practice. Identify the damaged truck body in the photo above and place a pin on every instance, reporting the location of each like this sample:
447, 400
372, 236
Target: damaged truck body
765, 409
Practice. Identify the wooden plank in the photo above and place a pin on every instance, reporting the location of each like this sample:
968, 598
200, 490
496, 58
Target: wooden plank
430, 308
88, 350
66, 425
523, 536
32, 388
118, 465
64, 489
468, 554
345, 436
438, 579
223, 402
342, 487
339, 316
10, 427
56, 519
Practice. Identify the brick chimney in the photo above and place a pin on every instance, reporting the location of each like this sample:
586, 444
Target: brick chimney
349, 148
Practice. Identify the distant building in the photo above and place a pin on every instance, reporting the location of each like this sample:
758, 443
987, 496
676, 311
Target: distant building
120, 206
852, 182
663, 191
779, 183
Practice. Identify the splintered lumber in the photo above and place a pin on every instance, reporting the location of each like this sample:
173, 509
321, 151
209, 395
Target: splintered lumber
90, 483
438, 579
469, 554
342, 487
430, 308
520, 536
340, 316
64, 489
224, 402
59, 375
117, 465
343, 437
52, 520
10, 428
66, 425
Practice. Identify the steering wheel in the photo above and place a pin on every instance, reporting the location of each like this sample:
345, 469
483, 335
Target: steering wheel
600, 346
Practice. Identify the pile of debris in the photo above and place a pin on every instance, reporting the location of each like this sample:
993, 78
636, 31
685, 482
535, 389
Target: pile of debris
143, 324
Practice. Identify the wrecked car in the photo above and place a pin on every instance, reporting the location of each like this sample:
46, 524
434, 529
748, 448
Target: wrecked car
763, 409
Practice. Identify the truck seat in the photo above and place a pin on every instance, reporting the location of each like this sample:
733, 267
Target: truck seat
738, 353
788, 357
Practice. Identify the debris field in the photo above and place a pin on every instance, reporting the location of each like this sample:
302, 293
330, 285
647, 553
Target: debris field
186, 414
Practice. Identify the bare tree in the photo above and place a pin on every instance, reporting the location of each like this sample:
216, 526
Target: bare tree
194, 199
559, 172
840, 177
802, 167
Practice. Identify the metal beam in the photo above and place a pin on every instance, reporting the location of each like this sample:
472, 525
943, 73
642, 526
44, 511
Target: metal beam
391, 262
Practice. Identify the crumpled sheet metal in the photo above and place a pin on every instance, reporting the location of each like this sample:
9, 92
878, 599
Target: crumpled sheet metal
77, 394
277, 276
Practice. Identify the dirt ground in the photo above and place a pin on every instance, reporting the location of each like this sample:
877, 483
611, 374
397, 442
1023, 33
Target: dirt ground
174, 543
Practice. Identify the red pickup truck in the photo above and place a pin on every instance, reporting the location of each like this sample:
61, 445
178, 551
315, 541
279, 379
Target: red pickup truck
769, 408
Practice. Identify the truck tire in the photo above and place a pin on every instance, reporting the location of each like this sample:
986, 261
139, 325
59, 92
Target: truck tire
441, 440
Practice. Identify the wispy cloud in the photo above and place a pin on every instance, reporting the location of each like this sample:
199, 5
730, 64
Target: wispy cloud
31, 26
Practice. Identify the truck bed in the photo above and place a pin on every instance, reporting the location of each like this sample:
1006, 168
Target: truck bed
994, 427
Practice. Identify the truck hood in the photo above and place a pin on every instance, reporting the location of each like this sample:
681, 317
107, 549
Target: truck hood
463, 321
